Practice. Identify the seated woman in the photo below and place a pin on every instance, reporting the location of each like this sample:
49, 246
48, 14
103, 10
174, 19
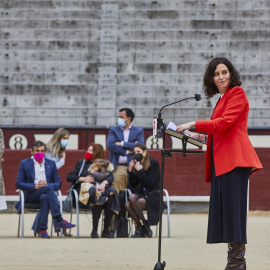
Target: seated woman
93, 193
80, 175
144, 183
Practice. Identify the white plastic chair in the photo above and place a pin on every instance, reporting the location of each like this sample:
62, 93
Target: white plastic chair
32, 207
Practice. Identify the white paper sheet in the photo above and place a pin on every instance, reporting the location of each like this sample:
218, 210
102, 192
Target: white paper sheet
3, 203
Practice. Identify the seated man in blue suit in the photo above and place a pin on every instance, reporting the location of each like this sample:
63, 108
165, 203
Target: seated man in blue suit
39, 179
121, 142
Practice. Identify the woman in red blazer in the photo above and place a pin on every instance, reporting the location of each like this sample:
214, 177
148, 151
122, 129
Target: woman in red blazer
230, 159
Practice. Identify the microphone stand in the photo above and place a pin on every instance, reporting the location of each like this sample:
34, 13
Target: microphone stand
166, 153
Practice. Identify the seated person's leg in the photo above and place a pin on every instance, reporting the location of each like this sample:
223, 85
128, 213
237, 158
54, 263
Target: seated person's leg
53, 202
132, 213
54, 222
54, 207
36, 224
145, 226
35, 197
44, 211
108, 217
96, 212
135, 208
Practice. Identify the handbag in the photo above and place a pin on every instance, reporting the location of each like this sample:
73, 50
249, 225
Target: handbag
123, 227
67, 204
67, 207
123, 223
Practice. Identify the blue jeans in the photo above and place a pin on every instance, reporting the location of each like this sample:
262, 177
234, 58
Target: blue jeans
48, 201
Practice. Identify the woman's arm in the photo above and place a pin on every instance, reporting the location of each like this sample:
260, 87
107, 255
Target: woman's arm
186, 126
73, 175
197, 136
74, 178
106, 177
59, 162
236, 103
151, 176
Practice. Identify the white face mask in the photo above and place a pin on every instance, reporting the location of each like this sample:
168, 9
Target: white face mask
121, 122
64, 143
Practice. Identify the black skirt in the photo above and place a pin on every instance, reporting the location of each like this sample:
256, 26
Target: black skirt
227, 220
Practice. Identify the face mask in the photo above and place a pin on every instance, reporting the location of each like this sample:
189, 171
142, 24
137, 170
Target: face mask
138, 157
121, 122
39, 157
64, 143
88, 156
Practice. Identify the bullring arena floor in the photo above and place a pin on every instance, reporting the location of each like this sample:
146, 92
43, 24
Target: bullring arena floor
186, 249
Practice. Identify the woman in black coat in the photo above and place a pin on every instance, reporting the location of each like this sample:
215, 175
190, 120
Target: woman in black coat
144, 183
80, 175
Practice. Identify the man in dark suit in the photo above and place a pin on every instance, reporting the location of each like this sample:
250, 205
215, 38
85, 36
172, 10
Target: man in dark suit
121, 141
39, 179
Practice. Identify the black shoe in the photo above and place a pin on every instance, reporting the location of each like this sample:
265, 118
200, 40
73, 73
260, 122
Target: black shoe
139, 233
94, 234
107, 234
147, 230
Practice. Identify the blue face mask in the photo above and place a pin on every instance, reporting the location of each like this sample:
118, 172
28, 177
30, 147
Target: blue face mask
64, 143
121, 122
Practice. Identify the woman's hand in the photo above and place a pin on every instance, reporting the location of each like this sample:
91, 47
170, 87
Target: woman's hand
197, 136
137, 166
186, 126
101, 187
131, 165
194, 135
87, 179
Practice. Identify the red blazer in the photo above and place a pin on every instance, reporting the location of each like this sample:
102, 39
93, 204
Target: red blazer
228, 129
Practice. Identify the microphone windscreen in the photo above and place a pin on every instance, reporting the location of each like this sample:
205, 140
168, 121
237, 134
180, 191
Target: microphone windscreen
197, 97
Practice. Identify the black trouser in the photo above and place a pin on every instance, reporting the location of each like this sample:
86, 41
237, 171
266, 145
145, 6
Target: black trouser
96, 212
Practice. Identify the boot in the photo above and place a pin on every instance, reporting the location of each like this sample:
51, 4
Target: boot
147, 229
236, 253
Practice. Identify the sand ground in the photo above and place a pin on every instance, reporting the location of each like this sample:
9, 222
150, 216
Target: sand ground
186, 249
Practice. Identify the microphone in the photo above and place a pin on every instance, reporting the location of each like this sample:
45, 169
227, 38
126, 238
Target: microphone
157, 122
196, 96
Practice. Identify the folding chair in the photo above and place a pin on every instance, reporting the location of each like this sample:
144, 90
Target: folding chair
74, 191
34, 208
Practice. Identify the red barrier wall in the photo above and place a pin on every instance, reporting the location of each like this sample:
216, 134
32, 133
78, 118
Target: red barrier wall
182, 177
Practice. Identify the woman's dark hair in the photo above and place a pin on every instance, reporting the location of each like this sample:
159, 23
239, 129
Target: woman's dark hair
146, 161
208, 80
